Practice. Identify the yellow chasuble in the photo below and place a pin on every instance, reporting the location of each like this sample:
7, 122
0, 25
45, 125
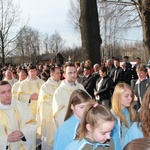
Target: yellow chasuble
44, 107
15, 88
17, 116
28, 87
11, 82
60, 103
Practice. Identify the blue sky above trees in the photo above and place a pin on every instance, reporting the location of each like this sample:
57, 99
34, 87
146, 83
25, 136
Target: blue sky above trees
48, 16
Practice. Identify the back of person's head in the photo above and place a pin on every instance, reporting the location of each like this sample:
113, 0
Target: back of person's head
119, 90
77, 97
94, 115
138, 144
43, 76
144, 114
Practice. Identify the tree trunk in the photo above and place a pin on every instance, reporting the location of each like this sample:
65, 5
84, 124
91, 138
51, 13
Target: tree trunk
2, 47
90, 33
145, 17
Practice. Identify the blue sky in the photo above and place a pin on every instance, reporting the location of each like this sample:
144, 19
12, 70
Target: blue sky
48, 16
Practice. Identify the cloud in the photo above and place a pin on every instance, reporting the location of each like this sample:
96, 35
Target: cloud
48, 16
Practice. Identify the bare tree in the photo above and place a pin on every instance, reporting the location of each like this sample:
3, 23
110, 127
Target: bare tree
20, 47
46, 43
56, 42
28, 44
9, 19
143, 12
115, 20
74, 14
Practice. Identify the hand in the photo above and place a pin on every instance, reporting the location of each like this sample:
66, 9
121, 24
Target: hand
34, 96
15, 136
135, 98
95, 93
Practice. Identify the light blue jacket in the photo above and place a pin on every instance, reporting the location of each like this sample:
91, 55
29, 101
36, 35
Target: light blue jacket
134, 132
66, 133
120, 130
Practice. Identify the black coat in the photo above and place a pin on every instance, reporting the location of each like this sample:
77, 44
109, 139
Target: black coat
96, 76
127, 76
119, 75
89, 84
105, 89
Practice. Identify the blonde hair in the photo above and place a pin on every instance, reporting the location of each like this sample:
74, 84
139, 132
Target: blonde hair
93, 115
116, 102
88, 63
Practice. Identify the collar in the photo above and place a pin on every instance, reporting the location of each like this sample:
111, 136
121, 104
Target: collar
67, 83
138, 81
53, 81
6, 106
32, 79
87, 76
96, 144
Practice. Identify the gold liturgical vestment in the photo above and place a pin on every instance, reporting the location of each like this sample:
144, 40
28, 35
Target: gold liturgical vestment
44, 108
60, 103
15, 88
17, 116
28, 87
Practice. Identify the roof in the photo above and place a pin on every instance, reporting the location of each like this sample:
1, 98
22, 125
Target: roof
50, 56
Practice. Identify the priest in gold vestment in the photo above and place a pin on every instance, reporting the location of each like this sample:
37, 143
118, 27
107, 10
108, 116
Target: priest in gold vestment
29, 89
62, 95
44, 107
17, 124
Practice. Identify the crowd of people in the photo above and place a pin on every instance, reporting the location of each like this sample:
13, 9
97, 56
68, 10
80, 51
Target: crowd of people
75, 107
